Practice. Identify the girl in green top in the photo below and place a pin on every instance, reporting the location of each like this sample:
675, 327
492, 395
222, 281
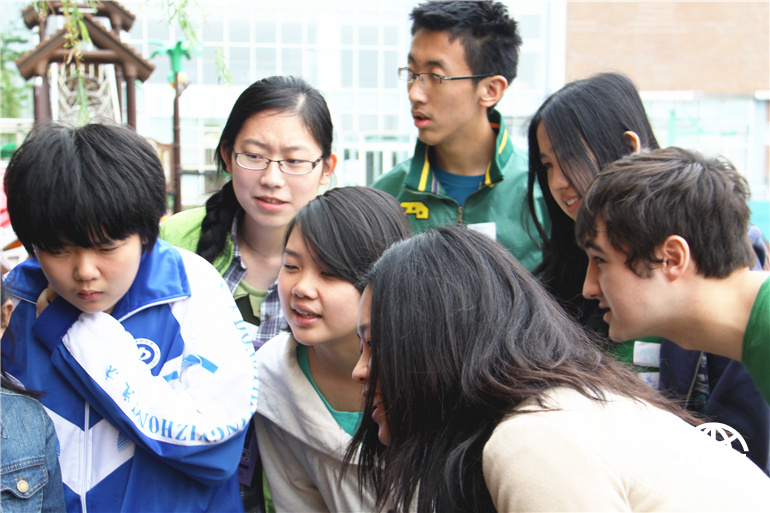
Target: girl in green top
277, 147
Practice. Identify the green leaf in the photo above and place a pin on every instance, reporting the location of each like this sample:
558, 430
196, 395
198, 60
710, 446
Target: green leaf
223, 72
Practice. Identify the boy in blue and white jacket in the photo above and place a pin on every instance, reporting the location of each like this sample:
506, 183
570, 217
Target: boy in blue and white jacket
138, 347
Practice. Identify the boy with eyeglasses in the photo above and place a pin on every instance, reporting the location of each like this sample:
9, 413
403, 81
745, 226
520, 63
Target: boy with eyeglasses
138, 348
465, 169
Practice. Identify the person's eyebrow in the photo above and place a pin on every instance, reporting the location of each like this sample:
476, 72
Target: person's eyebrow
264, 146
590, 244
439, 63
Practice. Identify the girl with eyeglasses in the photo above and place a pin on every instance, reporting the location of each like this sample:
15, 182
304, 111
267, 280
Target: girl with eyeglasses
277, 146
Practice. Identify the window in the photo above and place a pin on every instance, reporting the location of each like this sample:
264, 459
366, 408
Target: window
367, 34
346, 68
291, 61
239, 30
346, 36
291, 33
264, 62
368, 68
209, 66
264, 32
239, 65
390, 62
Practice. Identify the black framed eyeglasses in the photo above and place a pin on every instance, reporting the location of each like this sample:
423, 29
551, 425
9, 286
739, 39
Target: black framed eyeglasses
256, 162
433, 79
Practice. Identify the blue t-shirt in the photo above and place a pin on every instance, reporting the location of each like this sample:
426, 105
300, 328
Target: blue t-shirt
458, 187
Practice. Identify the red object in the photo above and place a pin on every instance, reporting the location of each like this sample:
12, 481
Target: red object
5, 219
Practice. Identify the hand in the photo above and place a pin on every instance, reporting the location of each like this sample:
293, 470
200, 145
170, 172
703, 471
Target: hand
45, 299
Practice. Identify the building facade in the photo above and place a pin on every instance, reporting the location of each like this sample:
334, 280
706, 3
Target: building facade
703, 69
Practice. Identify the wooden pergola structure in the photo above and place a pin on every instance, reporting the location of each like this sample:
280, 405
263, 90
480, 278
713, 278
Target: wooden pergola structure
108, 49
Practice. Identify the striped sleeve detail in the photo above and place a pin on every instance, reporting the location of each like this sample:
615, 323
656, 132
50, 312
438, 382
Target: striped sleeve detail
425, 172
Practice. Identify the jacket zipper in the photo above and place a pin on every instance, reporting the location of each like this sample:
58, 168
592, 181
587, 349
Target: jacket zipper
85, 457
459, 207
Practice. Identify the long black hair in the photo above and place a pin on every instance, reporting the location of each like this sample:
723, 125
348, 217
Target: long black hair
461, 334
585, 121
279, 93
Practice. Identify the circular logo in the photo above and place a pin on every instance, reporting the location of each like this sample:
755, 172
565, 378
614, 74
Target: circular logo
149, 352
723, 434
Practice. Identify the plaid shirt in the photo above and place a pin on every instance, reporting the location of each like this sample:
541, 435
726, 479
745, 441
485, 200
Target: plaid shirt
271, 316
271, 323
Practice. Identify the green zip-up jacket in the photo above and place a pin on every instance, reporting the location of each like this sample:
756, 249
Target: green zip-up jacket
501, 200
184, 230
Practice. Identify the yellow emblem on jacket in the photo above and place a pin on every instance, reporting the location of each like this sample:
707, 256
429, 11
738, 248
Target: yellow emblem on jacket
417, 208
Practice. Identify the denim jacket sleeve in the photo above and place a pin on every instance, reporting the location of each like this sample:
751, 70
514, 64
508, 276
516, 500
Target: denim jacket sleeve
31, 477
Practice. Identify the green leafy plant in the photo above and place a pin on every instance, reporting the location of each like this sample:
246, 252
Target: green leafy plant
223, 71
176, 10
77, 37
16, 93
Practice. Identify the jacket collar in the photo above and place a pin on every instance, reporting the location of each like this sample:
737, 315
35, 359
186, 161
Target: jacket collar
161, 278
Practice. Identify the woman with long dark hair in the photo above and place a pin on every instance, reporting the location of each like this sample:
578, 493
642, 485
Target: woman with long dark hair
277, 146
482, 394
577, 131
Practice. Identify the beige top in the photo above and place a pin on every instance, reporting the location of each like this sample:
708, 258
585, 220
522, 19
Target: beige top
617, 456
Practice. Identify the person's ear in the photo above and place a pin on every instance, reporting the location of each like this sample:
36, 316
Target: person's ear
226, 151
329, 165
5, 313
632, 141
675, 253
492, 89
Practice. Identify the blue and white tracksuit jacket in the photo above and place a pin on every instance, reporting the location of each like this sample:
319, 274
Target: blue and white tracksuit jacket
150, 403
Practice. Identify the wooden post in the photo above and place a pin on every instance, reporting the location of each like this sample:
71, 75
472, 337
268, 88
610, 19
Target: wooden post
131, 100
176, 157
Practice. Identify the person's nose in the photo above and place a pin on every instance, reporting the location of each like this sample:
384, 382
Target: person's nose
557, 180
591, 288
86, 267
417, 91
305, 286
272, 176
361, 370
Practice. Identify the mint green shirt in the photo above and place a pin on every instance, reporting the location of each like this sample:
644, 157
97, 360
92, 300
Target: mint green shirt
347, 420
